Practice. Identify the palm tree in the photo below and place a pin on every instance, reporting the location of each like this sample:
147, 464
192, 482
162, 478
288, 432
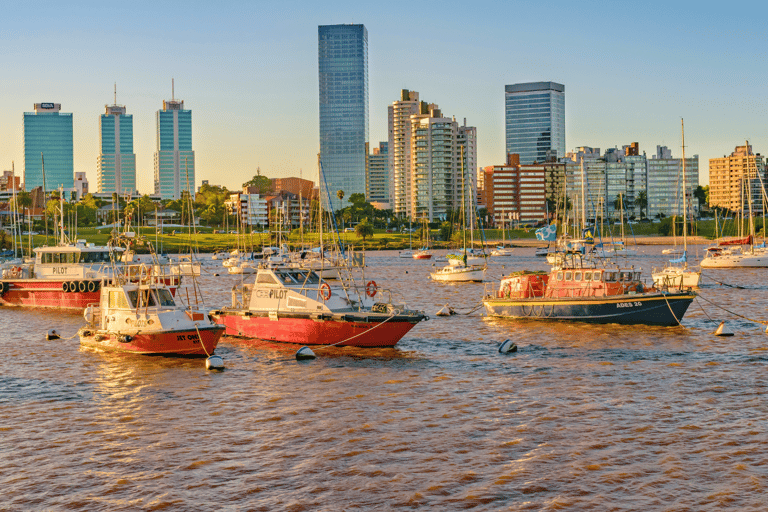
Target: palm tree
340, 195
641, 201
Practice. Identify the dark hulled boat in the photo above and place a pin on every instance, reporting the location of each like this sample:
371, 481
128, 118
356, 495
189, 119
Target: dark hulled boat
596, 294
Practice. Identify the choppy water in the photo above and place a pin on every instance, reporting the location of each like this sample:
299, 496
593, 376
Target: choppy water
581, 418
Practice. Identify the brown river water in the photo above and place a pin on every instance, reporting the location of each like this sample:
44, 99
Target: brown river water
582, 417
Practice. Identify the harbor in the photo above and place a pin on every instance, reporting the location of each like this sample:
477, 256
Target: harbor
580, 417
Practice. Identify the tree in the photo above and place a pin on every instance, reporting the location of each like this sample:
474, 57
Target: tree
340, 195
702, 194
364, 230
641, 201
357, 199
262, 183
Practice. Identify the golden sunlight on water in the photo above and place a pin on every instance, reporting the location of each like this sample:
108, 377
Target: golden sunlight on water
583, 417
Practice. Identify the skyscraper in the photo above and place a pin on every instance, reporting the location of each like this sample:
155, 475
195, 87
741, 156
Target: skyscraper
174, 158
48, 137
343, 74
399, 148
116, 164
535, 121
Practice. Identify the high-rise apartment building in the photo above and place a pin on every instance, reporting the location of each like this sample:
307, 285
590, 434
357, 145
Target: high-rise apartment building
731, 176
48, 139
174, 158
116, 163
535, 121
665, 183
343, 80
438, 185
516, 192
399, 114
377, 176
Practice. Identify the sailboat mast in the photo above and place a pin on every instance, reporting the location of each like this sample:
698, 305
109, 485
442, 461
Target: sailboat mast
749, 199
685, 195
463, 206
583, 202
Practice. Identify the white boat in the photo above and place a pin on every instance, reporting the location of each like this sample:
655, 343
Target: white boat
459, 273
143, 318
184, 266
220, 255
406, 254
678, 275
501, 252
735, 257
613, 250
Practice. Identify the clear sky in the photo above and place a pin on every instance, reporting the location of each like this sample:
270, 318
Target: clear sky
248, 72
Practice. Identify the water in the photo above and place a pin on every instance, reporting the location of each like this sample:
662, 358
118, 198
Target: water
583, 417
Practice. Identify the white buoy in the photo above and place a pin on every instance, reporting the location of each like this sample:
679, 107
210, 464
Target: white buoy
507, 346
214, 362
445, 311
305, 353
53, 334
722, 331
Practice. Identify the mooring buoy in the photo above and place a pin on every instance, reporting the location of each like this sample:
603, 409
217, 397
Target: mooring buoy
53, 334
507, 346
214, 362
722, 331
305, 353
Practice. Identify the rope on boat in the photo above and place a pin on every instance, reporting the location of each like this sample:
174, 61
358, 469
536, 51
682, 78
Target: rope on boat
202, 343
670, 309
723, 284
360, 334
761, 322
705, 311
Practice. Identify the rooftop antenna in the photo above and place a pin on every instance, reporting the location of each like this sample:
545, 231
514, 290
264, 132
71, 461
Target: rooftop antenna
173, 94
115, 93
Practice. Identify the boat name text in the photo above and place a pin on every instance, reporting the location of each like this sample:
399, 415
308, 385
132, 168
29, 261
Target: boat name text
627, 304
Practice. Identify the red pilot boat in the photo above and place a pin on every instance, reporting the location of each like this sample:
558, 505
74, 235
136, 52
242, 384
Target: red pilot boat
587, 294
68, 276
143, 318
292, 305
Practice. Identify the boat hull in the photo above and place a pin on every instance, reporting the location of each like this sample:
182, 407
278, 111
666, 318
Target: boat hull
182, 342
758, 260
676, 278
665, 309
49, 293
459, 276
336, 329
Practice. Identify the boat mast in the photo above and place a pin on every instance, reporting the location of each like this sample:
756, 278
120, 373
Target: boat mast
463, 207
583, 201
749, 201
685, 194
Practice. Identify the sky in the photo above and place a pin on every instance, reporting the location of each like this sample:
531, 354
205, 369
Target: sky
248, 71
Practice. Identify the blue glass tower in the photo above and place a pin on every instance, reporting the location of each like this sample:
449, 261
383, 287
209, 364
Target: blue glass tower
174, 158
48, 137
343, 69
116, 164
535, 121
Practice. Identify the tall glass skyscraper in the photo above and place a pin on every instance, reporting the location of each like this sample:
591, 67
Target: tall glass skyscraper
535, 120
116, 164
174, 158
48, 137
343, 68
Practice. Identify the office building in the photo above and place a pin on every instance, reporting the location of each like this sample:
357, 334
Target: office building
116, 163
377, 176
731, 176
174, 158
343, 81
48, 140
535, 121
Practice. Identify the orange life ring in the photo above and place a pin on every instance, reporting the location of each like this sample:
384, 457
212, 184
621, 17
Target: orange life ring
325, 291
371, 288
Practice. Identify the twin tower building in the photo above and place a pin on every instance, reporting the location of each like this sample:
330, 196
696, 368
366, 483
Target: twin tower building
48, 150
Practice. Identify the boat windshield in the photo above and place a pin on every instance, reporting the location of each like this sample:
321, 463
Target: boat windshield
147, 299
94, 257
166, 299
298, 277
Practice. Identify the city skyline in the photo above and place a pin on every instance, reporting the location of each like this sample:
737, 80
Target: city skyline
250, 74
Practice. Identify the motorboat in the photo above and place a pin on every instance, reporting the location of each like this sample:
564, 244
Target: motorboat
598, 294
501, 252
291, 305
144, 318
458, 272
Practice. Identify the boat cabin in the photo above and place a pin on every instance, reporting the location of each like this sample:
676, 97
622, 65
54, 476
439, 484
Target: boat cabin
80, 260
571, 282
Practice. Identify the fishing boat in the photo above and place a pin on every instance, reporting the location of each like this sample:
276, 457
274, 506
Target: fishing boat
291, 305
143, 318
597, 294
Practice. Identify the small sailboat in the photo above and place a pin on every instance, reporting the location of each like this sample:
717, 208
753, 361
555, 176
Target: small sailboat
424, 253
460, 268
408, 253
503, 250
678, 275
